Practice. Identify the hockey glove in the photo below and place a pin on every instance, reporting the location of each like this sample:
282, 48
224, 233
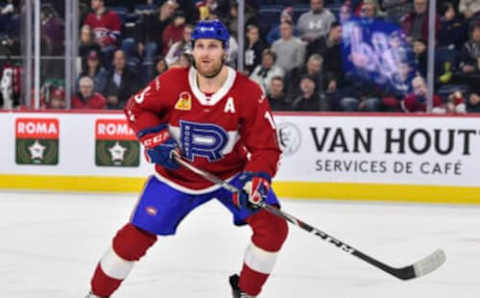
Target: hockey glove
159, 148
254, 190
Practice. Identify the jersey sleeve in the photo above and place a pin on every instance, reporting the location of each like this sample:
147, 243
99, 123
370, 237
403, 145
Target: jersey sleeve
259, 133
145, 110
115, 27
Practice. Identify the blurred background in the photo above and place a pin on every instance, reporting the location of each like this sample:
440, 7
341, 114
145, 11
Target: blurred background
319, 55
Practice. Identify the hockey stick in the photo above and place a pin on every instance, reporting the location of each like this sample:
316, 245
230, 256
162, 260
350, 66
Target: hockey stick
417, 269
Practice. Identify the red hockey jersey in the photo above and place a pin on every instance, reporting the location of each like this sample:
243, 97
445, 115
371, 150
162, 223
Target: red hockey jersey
224, 133
106, 27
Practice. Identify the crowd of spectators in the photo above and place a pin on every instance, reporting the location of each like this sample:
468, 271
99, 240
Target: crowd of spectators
293, 49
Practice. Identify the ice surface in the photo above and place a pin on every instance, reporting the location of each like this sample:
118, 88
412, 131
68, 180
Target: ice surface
50, 243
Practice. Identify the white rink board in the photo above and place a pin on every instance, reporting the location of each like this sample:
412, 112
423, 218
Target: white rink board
76, 147
305, 159
324, 147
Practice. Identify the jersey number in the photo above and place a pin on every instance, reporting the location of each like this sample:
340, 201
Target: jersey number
141, 96
200, 139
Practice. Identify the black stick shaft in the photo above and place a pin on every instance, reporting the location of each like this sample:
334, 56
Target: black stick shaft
401, 273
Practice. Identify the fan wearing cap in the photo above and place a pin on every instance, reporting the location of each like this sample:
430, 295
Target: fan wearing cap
285, 16
218, 120
93, 68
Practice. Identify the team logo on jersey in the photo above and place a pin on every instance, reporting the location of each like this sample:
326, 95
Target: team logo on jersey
289, 138
184, 102
36, 141
115, 144
203, 140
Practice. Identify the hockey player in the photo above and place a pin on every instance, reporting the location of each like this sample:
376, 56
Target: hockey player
219, 121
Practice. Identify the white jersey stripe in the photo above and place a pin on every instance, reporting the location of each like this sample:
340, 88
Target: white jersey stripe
260, 260
217, 96
114, 266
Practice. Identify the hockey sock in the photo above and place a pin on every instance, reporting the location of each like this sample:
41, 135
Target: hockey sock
129, 245
269, 233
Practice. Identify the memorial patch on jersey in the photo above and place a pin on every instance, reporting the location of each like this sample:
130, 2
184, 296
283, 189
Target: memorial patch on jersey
184, 102
36, 141
203, 140
115, 144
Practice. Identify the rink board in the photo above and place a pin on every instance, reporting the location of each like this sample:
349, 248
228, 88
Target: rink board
335, 156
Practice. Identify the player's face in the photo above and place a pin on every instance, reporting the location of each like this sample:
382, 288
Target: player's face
208, 55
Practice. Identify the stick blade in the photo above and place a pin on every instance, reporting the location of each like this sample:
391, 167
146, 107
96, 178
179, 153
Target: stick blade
429, 263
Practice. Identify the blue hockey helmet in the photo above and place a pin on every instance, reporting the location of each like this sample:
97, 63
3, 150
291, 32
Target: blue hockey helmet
213, 29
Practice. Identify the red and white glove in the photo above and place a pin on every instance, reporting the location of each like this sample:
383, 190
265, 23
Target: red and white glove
159, 148
254, 190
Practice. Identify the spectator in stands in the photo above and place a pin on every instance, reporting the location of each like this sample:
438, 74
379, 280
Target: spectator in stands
345, 13
456, 103
470, 56
106, 26
9, 8
330, 49
95, 70
180, 47
285, 16
316, 22
360, 95
232, 52
289, 49
160, 66
453, 32
184, 61
416, 102
231, 19
415, 24
173, 32
87, 43
57, 99
264, 72
254, 47
420, 50
397, 9
86, 98
473, 104
121, 82
370, 10
150, 34
6, 13
276, 95
469, 8
309, 100
53, 31
313, 68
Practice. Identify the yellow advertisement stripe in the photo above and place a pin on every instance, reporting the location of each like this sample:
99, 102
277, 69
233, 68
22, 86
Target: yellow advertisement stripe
301, 190
380, 192
71, 183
